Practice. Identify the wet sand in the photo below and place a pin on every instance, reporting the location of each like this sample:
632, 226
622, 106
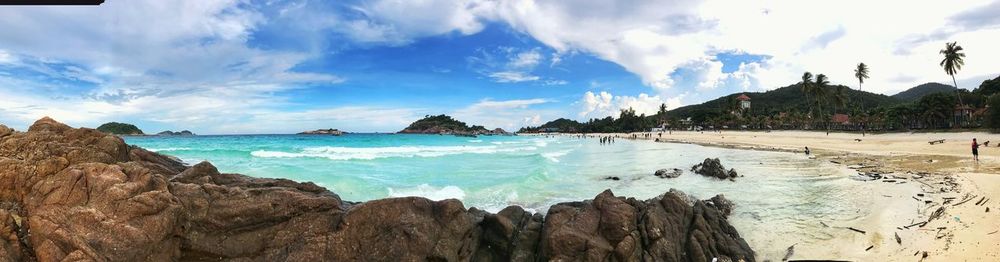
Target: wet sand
952, 197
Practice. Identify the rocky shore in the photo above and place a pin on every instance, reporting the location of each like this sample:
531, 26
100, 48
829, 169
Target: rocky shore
79, 194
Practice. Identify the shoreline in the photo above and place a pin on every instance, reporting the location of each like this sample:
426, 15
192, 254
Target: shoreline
962, 231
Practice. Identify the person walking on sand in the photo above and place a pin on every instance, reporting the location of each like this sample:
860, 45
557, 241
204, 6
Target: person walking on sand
975, 150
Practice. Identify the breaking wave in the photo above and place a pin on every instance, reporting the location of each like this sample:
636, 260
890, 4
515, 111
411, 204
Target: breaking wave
429, 192
368, 153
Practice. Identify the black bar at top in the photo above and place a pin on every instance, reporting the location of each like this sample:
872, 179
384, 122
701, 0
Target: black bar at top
51, 2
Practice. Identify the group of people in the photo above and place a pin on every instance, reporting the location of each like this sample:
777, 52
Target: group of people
607, 140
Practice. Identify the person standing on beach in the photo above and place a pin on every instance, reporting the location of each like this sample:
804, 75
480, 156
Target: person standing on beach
975, 150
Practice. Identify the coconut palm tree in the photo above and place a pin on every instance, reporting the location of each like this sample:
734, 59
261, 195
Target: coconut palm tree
952, 62
819, 95
807, 88
861, 72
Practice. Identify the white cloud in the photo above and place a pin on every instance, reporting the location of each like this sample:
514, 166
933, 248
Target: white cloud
604, 104
513, 77
527, 59
507, 114
654, 38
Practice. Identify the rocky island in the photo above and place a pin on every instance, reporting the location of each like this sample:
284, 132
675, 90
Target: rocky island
172, 133
445, 125
330, 131
85, 195
120, 129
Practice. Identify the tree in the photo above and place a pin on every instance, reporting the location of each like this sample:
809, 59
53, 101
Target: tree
819, 94
807, 87
993, 115
953, 61
861, 72
839, 97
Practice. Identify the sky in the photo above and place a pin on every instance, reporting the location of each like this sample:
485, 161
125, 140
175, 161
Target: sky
262, 67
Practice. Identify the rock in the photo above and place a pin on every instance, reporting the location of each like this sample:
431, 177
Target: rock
665, 228
713, 168
612, 178
4, 131
330, 131
172, 133
669, 173
722, 204
86, 195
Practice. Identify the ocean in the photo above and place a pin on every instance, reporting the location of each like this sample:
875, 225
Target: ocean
779, 193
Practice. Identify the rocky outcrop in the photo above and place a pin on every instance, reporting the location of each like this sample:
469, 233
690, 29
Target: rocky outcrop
713, 168
172, 133
330, 131
669, 173
86, 195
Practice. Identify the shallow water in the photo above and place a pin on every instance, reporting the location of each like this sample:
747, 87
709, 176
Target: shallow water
780, 200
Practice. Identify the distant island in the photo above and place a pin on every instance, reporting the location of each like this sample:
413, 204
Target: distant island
172, 133
120, 129
330, 131
443, 124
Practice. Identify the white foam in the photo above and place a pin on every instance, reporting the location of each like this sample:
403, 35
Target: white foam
429, 192
476, 141
554, 156
368, 153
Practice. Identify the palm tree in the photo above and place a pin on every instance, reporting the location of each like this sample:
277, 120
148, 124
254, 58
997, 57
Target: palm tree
861, 72
807, 87
953, 62
839, 97
819, 95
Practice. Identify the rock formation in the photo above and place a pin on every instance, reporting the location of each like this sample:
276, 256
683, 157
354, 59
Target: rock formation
82, 195
172, 133
713, 168
668, 173
330, 131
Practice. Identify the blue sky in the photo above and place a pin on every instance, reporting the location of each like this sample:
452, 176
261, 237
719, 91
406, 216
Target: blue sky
230, 66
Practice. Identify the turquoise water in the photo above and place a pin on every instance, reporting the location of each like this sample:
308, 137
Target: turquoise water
780, 193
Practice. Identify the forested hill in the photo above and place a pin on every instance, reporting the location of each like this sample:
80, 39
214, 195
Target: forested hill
915, 93
785, 99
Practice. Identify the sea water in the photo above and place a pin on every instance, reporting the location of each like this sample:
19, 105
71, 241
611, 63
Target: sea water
780, 198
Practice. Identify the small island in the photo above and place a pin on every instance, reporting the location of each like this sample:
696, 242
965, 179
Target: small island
446, 125
116, 128
172, 133
330, 131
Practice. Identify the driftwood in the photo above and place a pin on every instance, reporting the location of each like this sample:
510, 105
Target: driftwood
898, 240
916, 224
936, 141
980, 201
965, 200
857, 230
789, 252
937, 213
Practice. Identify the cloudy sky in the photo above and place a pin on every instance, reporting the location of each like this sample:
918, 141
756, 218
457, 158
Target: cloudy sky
228, 66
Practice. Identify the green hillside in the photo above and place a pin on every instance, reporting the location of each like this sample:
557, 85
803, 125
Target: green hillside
915, 93
785, 99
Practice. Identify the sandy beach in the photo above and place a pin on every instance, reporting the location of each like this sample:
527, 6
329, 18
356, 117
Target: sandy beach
953, 216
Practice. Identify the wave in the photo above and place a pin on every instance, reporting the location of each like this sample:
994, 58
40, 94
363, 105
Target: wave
369, 153
429, 192
554, 156
476, 141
